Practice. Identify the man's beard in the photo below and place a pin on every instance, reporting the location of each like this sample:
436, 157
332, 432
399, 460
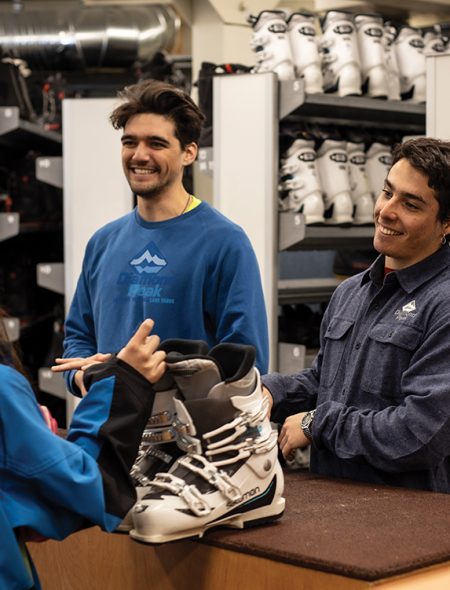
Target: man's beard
150, 192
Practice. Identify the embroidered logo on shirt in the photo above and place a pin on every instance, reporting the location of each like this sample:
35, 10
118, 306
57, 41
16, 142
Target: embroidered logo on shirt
149, 261
406, 311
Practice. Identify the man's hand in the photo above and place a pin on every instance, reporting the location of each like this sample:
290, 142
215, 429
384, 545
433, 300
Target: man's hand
81, 364
291, 435
141, 353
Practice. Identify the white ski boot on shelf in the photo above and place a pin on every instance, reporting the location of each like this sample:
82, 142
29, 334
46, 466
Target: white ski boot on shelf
411, 64
359, 184
378, 164
340, 57
270, 42
305, 52
390, 58
435, 43
300, 177
158, 449
332, 164
229, 474
369, 29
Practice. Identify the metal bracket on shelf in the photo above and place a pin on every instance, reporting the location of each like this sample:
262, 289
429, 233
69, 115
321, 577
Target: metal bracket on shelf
291, 358
9, 119
52, 382
51, 276
205, 160
294, 234
291, 96
50, 170
291, 291
17, 132
12, 327
9, 225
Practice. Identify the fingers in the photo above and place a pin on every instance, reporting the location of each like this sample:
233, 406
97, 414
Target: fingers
142, 332
79, 375
79, 363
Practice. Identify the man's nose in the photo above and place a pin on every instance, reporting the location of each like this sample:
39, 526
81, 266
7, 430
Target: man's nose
141, 152
389, 207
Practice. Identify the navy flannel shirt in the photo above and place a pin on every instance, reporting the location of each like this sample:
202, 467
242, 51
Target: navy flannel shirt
381, 380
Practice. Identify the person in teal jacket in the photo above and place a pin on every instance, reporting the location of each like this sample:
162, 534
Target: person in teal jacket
52, 486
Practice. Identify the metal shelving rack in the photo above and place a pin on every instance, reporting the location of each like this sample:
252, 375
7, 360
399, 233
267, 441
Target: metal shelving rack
246, 164
15, 134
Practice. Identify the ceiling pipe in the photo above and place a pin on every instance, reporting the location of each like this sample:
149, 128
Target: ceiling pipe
70, 36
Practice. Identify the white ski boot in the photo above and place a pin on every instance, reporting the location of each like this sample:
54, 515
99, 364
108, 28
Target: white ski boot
340, 57
229, 474
332, 164
390, 58
435, 43
305, 51
359, 184
270, 42
411, 64
378, 164
158, 449
369, 29
300, 177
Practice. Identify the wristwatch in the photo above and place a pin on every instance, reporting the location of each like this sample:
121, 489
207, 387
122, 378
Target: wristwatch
306, 424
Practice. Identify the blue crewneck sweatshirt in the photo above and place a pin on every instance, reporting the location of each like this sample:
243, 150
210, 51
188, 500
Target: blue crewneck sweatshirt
195, 275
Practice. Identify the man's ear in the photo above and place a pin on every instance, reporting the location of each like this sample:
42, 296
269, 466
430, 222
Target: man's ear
446, 227
190, 153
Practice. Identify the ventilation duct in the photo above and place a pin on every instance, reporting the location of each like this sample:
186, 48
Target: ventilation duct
69, 36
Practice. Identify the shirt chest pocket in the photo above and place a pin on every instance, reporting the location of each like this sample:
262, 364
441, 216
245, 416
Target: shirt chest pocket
389, 353
336, 338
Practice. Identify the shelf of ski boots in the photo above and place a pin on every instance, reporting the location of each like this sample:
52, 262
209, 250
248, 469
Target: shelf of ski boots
346, 53
17, 132
352, 110
295, 234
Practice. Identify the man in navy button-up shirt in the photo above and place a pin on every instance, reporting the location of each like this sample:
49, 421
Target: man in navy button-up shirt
375, 405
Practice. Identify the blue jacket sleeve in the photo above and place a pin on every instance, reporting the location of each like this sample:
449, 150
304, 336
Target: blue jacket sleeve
235, 297
57, 486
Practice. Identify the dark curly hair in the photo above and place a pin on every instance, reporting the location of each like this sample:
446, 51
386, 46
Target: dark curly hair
160, 98
432, 157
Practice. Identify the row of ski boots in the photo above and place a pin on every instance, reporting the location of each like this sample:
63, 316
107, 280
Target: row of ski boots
337, 184
355, 53
208, 455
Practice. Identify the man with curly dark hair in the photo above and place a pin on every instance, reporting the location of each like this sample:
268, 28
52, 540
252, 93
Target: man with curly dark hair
375, 404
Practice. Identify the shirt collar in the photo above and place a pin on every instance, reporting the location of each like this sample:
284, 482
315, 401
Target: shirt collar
413, 276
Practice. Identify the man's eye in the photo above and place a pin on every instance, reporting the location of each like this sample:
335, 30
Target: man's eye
387, 193
411, 206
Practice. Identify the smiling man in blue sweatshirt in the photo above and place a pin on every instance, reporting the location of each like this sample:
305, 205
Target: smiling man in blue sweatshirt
174, 258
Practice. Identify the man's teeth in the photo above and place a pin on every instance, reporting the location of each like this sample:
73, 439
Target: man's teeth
389, 232
144, 170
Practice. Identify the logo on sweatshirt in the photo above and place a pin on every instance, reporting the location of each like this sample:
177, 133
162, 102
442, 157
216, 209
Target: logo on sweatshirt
149, 261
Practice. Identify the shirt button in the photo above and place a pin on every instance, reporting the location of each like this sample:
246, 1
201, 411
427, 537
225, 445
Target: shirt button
357, 345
